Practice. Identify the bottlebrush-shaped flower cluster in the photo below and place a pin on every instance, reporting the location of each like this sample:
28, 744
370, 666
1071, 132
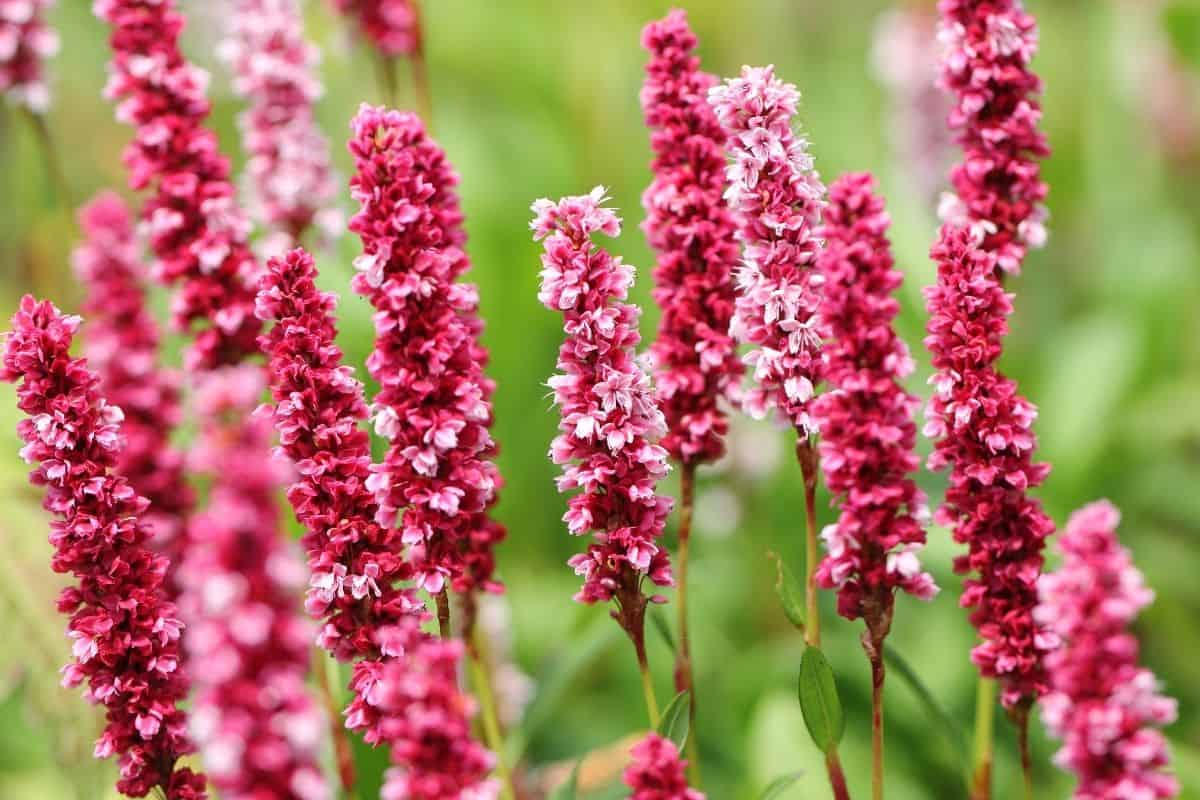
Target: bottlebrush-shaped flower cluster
434, 403
609, 419
984, 433
288, 172
125, 634
998, 189
196, 229
26, 41
121, 342
696, 364
777, 197
247, 645
866, 421
391, 26
1102, 704
658, 772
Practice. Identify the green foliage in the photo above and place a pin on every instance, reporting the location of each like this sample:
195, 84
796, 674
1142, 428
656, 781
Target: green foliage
569, 787
777, 787
819, 701
789, 591
675, 721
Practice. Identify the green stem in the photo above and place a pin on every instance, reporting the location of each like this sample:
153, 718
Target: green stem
683, 664
341, 743
481, 679
58, 177
807, 454
985, 712
647, 683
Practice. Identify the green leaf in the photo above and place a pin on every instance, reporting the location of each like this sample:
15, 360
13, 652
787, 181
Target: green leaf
777, 787
819, 701
791, 594
568, 788
950, 728
1182, 23
659, 620
676, 719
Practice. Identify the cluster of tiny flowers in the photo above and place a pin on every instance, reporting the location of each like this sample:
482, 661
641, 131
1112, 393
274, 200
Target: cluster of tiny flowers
288, 168
197, 231
777, 197
391, 26
1103, 705
984, 433
258, 730
121, 344
124, 630
998, 189
867, 431
427, 721
906, 62
693, 230
25, 42
610, 419
657, 772
434, 403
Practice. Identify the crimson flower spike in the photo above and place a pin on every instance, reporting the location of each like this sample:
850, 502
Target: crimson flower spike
1104, 707
124, 629
121, 343
197, 231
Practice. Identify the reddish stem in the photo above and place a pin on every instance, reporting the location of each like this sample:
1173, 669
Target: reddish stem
837, 779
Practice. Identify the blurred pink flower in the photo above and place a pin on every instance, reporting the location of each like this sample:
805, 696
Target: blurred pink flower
124, 631
658, 772
1102, 705
25, 42
393, 27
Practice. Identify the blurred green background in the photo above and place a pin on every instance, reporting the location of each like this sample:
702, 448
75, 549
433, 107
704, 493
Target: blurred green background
539, 98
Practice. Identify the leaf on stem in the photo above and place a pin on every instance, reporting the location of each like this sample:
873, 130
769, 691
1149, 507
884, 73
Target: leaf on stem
819, 702
777, 787
675, 723
791, 594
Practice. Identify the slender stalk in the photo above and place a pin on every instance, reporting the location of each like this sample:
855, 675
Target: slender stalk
877, 675
443, 614
806, 452
482, 681
420, 71
985, 710
50, 155
1020, 716
385, 66
683, 662
337, 732
837, 778
639, 645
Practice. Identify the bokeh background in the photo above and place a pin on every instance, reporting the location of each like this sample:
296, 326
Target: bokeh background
539, 98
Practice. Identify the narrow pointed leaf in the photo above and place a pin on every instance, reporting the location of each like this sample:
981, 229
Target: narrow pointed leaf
791, 594
569, 788
675, 721
777, 787
944, 721
659, 620
819, 701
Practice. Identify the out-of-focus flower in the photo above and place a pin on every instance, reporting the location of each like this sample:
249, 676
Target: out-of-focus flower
434, 404
124, 631
998, 189
393, 27
905, 59
777, 198
288, 172
513, 688
26, 41
658, 772
868, 436
259, 731
696, 364
121, 344
609, 417
197, 231
1103, 705
984, 433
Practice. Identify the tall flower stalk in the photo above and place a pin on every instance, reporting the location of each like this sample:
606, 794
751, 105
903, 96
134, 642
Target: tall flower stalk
696, 365
998, 196
124, 629
121, 343
1104, 707
868, 436
610, 420
393, 29
248, 647
289, 178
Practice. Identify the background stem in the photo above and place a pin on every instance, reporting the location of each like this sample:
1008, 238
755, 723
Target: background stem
807, 455
685, 680
647, 682
985, 711
481, 679
337, 731
443, 614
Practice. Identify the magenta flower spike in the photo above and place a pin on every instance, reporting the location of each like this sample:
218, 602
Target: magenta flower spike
290, 181
777, 198
259, 731
26, 41
124, 630
121, 344
391, 26
998, 189
868, 436
688, 223
434, 403
1104, 707
984, 433
658, 772
197, 231
610, 420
